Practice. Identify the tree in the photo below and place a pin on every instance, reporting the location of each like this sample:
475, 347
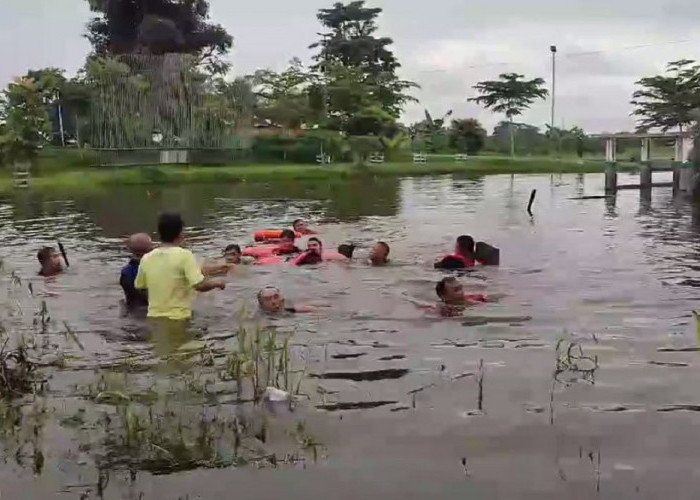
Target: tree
350, 42
26, 122
283, 97
667, 101
510, 95
65, 101
158, 27
354, 68
530, 138
467, 135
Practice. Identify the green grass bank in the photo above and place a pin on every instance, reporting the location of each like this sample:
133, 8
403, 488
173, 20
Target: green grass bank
49, 176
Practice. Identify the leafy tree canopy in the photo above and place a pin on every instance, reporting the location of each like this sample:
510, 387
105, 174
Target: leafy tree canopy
350, 42
158, 27
668, 101
511, 94
467, 135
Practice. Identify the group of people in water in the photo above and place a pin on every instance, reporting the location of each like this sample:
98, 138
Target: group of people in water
164, 278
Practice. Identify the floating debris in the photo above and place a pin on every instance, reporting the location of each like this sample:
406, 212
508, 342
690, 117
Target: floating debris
358, 405
678, 349
681, 407
669, 363
348, 355
371, 375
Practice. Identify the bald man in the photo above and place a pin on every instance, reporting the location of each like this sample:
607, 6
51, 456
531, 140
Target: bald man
139, 245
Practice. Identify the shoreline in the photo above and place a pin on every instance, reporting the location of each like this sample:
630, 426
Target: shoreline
104, 177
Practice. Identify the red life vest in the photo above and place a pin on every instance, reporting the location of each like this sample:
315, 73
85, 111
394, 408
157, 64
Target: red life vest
454, 261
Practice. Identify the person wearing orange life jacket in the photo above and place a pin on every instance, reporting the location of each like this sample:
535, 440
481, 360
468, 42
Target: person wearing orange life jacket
286, 246
463, 256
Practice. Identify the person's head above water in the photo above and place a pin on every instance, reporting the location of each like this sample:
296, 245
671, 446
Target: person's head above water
271, 300
379, 254
232, 254
300, 226
450, 290
171, 228
346, 249
139, 244
465, 246
314, 245
50, 261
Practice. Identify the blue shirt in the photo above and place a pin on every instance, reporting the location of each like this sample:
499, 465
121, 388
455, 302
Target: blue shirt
134, 297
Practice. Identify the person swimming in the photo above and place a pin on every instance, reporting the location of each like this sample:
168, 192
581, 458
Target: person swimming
138, 244
451, 292
287, 246
313, 254
302, 227
379, 255
50, 262
272, 301
463, 256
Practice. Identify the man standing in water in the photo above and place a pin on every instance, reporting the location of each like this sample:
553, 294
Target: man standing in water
171, 275
139, 245
50, 262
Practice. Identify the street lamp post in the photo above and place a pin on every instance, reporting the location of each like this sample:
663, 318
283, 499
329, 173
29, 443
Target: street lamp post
553, 49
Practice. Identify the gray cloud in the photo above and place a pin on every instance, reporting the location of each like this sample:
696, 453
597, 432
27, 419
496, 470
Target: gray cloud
445, 45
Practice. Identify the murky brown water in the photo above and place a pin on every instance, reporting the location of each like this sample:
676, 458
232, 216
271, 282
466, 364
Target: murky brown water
612, 277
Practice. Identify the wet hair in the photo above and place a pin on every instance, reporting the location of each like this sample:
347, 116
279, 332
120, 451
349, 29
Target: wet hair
465, 244
442, 284
288, 233
262, 290
232, 248
44, 254
170, 226
316, 240
346, 250
385, 246
296, 221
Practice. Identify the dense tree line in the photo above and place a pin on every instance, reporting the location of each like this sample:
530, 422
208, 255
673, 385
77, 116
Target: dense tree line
347, 103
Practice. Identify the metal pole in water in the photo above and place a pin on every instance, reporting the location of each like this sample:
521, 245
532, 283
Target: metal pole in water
553, 48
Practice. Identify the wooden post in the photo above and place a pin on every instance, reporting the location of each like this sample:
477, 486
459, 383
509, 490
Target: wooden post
645, 175
676, 176
610, 177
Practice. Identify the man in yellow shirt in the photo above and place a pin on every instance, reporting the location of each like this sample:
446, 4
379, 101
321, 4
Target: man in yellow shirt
171, 275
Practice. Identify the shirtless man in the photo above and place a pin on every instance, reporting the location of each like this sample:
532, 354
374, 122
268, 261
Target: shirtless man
379, 255
271, 301
50, 262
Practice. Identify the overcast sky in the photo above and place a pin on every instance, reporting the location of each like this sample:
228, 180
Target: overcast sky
444, 45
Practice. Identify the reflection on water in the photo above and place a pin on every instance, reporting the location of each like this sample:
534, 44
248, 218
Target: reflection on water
596, 290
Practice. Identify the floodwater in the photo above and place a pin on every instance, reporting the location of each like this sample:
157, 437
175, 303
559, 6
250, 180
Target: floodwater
587, 388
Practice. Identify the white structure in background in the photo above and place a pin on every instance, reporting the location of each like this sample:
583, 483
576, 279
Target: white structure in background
683, 173
420, 158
